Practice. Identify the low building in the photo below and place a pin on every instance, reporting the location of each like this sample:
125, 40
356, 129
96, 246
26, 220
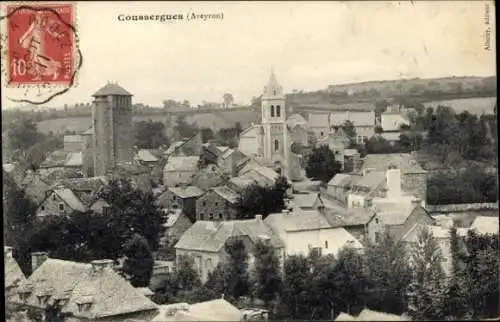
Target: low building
180, 170
305, 230
205, 241
339, 186
183, 197
354, 220
13, 274
370, 185
218, 203
192, 146
83, 292
306, 201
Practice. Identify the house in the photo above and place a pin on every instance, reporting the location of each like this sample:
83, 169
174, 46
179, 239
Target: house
214, 310
354, 220
60, 202
218, 203
86, 189
100, 206
180, 170
397, 218
145, 157
73, 143
264, 176
205, 241
306, 230
337, 141
391, 121
53, 161
339, 186
208, 177
227, 161
74, 161
371, 184
13, 275
138, 174
83, 292
183, 197
352, 160
485, 225
306, 201
298, 128
413, 177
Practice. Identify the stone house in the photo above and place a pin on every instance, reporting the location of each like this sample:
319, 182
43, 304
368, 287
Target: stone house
370, 185
140, 175
60, 202
180, 170
205, 241
305, 230
218, 203
353, 220
413, 177
177, 223
209, 177
339, 186
397, 218
83, 292
183, 197
227, 161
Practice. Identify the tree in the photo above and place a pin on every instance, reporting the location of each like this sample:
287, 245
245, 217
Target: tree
388, 274
266, 274
184, 129
350, 131
228, 99
427, 293
322, 164
139, 261
150, 135
297, 281
237, 283
207, 134
256, 199
23, 134
381, 107
377, 144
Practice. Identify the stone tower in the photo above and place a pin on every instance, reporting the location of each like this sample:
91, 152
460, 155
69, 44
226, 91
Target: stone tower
275, 137
112, 123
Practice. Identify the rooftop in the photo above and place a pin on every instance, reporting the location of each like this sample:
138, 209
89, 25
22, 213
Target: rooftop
186, 191
182, 163
145, 156
111, 89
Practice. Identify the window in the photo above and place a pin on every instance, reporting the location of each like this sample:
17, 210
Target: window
278, 110
174, 197
276, 145
221, 216
216, 204
61, 206
42, 207
326, 244
211, 216
204, 203
105, 210
272, 110
209, 263
377, 237
54, 197
178, 175
201, 216
376, 220
321, 133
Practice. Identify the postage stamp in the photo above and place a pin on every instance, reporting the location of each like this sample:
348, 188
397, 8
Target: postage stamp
40, 44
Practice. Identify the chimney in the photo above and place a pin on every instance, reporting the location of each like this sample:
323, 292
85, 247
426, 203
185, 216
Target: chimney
393, 177
101, 264
7, 251
37, 259
258, 217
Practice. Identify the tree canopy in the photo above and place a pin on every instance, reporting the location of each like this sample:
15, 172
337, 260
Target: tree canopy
150, 134
322, 165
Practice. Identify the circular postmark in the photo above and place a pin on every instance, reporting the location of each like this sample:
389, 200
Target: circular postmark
40, 53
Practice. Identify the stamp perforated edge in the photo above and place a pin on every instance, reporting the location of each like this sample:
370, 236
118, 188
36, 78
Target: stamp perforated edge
77, 56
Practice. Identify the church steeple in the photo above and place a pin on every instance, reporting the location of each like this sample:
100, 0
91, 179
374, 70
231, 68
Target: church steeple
273, 88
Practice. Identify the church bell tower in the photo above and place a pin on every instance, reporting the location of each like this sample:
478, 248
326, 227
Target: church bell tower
275, 143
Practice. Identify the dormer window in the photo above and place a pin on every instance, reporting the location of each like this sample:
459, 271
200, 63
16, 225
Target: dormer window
61, 206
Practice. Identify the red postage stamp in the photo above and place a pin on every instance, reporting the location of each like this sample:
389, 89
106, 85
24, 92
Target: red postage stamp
40, 44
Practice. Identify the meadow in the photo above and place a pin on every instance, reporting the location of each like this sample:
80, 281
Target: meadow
476, 105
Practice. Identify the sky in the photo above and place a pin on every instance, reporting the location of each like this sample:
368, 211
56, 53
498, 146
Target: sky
309, 45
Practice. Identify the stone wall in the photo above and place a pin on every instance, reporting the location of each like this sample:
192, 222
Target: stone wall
211, 206
122, 128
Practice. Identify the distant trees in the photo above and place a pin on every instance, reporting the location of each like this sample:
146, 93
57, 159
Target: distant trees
322, 165
150, 135
185, 129
228, 99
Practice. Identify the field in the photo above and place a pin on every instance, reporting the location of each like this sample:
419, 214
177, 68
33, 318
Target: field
477, 105
215, 121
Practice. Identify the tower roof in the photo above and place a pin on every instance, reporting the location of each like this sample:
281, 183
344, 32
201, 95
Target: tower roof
112, 89
273, 88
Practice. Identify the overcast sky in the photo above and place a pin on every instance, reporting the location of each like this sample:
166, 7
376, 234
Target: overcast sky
310, 45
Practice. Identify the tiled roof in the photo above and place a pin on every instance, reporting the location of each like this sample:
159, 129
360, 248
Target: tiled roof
298, 220
485, 225
70, 199
358, 118
222, 148
174, 146
211, 236
110, 295
338, 216
403, 161
176, 163
172, 218
226, 193
146, 156
369, 315
214, 310
319, 120
239, 183
131, 168
111, 89
371, 180
12, 272
92, 184
304, 200
340, 180
227, 153
187, 191
74, 159
394, 213
296, 120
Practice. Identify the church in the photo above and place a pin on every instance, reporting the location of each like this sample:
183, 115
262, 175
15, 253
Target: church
270, 141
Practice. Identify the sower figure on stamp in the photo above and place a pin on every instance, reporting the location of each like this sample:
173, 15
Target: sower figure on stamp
34, 41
